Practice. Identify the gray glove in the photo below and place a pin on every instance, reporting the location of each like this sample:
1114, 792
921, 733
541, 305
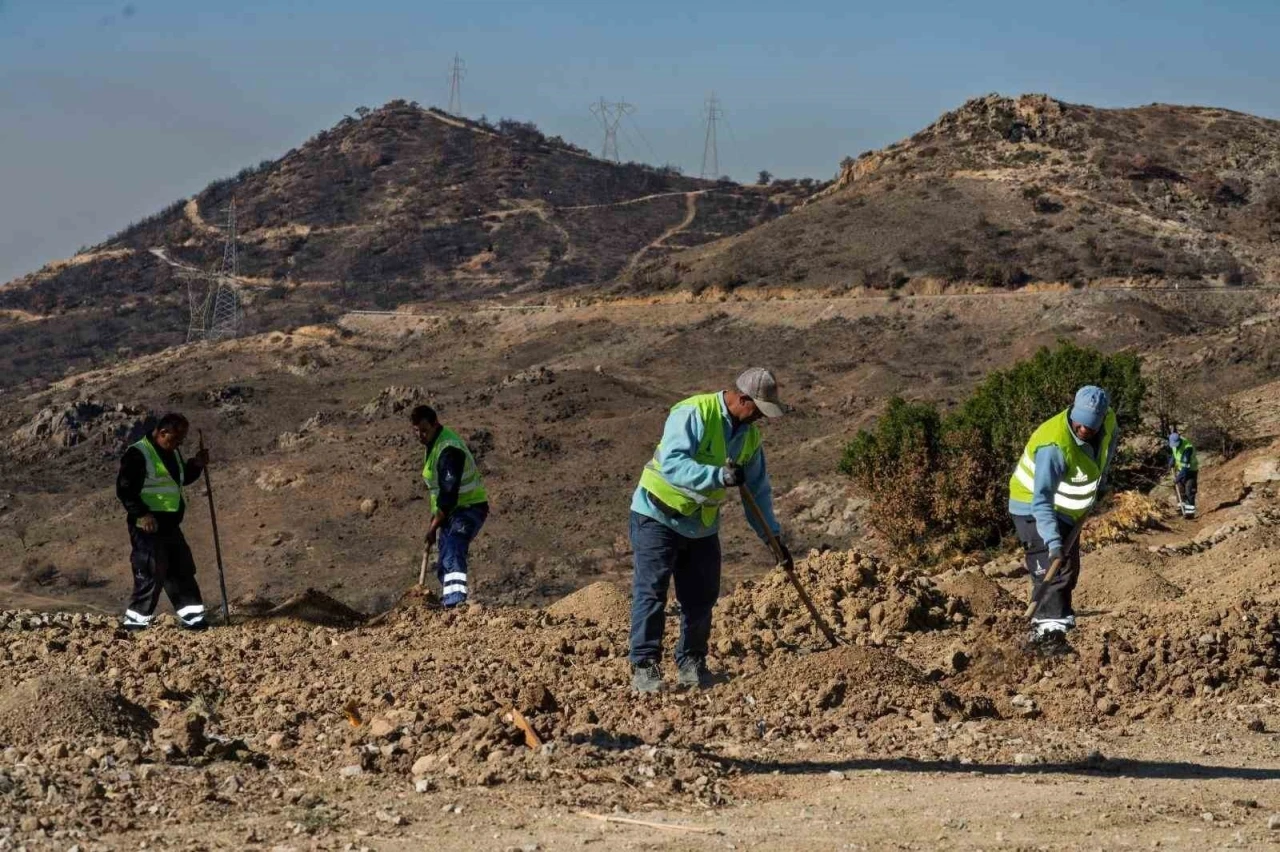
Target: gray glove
731, 473
1055, 554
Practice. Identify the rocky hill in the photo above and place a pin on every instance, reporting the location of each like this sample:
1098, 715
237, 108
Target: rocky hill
400, 205
1005, 191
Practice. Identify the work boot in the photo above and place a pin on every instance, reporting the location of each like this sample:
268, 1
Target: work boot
1049, 643
694, 674
453, 599
646, 677
197, 627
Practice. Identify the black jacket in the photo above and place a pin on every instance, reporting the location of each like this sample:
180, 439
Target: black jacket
133, 475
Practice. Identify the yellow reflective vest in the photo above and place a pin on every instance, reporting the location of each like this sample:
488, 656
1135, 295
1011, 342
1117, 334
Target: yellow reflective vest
712, 450
471, 490
160, 491
1079, 486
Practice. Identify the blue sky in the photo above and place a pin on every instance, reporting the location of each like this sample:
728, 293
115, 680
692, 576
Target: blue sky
109, 110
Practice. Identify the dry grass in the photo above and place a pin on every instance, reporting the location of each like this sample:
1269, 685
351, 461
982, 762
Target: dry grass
1126, 513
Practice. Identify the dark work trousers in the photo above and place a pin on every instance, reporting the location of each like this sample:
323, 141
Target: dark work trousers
1190, 484
1055, 600
162, 560
455, 535
661, 552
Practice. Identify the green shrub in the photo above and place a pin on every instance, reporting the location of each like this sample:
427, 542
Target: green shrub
940, 482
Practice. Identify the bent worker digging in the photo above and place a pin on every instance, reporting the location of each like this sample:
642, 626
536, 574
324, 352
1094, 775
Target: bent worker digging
710, 443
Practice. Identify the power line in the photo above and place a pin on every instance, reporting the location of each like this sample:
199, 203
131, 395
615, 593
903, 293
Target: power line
457, 71
610, 116
710, 148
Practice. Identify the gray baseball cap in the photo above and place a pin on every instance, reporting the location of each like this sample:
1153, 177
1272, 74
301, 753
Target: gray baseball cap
759, 384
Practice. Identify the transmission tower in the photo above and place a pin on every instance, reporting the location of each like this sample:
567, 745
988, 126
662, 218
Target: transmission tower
610, 116
710, 150
457, 71
215, 297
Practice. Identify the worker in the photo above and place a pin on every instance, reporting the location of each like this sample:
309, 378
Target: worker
459, 503
152, 476
1186, 473
710, 443
1059, 476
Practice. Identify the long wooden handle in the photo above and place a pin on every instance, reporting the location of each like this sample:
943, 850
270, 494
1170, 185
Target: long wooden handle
780, 555
1056, 565
422, 571
217, 544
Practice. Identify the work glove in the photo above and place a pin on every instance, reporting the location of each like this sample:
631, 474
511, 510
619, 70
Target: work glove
731, 474
430, 538
1055, 553
787, 561
202, 456
148, 523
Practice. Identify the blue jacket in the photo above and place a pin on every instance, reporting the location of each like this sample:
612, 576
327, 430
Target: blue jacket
680, 438
1051, 466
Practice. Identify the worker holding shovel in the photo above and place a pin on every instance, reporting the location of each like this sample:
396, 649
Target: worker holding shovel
459, 503
1053, 488
1186, 473
710, 443
152, 476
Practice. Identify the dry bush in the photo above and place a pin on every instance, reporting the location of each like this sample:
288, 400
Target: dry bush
1124, 513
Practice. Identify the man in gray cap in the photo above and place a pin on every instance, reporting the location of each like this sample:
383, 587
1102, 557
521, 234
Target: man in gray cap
1056, 481
710, 444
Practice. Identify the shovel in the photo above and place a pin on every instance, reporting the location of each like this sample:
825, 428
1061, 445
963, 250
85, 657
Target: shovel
422, 571
780, 556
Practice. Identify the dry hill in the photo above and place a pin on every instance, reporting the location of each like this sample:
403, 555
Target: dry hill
403, 204
1005, 191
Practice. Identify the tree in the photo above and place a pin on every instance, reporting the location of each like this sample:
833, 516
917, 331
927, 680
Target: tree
764, 178
362, 111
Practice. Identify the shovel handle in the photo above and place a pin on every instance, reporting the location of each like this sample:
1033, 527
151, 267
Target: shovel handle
780, 556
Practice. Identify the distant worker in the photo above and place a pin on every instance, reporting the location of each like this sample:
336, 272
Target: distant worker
152, 476
710, 443
459, 503
1186, 473
1059, 476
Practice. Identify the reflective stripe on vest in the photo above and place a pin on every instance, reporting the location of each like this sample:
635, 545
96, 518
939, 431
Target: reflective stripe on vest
1079, 486
160, 491
712, 450
470, 490
1185, 448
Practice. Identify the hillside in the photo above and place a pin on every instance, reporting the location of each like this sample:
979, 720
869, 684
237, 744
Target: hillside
1006, 191
404, 204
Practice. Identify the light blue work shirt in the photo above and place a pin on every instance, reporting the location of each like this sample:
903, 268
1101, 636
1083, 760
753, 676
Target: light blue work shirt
1051, 467
680, 439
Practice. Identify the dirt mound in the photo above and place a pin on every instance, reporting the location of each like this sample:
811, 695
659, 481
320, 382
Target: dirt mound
1123, 585
600, 603
983, 596
60, 707
862, 598
315, 607
862, 684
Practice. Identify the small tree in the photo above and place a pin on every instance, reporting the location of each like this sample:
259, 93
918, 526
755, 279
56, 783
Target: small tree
764, 178
940, 482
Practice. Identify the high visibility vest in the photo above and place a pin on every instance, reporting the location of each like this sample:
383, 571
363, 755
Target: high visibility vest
1079, 486
160, 491
471, 490
712, 450
1184, 456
